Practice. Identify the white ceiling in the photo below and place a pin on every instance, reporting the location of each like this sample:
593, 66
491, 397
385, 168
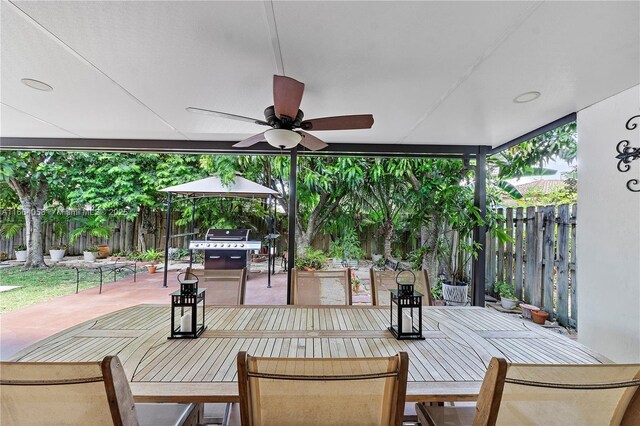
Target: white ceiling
429, 72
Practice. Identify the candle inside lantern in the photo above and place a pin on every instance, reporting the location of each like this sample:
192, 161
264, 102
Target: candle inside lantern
185, 323
407, 323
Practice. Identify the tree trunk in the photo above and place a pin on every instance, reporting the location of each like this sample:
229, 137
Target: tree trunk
303, 240
129, 236
387, 234
142, 230
429, 238
33, 206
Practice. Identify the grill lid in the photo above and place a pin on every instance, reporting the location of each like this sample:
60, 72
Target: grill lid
227, 235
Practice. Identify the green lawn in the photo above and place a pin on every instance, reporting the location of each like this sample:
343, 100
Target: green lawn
40, 285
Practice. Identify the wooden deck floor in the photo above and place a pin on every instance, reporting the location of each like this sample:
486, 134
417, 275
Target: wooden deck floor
449, 364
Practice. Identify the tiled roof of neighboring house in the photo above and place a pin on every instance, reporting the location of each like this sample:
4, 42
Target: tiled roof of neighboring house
538, 187
543, 186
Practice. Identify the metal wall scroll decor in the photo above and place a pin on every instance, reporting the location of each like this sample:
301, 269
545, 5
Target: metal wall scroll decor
626, 154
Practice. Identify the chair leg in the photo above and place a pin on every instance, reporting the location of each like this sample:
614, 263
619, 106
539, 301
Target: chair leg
227, 414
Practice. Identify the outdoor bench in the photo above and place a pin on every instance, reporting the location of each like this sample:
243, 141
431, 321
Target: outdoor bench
114, 267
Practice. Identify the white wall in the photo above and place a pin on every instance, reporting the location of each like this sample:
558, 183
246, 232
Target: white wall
608, 234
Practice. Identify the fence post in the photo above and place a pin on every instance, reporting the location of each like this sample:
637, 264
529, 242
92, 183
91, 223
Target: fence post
536, 287
508, 264
573, 319
563, 264
530, 253
519, 253
548, 259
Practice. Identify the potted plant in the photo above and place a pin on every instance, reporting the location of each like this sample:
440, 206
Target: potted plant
346, 251
455, 252
57, 252
59, 224
456, 248
311, 260
355, 282
508, 299
21, 253
153, 256
90, 254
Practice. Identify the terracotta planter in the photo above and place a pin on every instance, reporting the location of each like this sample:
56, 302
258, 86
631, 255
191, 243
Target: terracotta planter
103, 251
539, 317
152, 269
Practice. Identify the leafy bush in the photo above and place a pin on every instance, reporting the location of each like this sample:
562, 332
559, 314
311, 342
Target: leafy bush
312, 259
346, 247
20, 248
152, 255
505, 290
436, 290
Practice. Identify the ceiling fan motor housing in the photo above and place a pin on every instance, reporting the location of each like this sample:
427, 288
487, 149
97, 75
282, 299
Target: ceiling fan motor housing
283, 122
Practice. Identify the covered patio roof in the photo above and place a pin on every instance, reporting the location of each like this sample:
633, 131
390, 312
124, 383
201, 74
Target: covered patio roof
441, 78
435, 73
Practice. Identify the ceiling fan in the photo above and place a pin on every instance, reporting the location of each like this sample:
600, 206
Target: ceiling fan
285, 118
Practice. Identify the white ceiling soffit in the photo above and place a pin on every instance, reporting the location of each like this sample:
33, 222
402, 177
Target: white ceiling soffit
429, 72
83, 101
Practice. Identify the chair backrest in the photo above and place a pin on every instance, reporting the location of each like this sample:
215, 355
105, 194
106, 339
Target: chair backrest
321, 287
602, 394
322, 391
75, 393
224, 286
382, 281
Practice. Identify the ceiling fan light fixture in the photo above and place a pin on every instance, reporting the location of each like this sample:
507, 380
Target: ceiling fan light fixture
282, 138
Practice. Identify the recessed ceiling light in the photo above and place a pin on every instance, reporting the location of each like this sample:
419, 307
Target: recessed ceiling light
526, 97
37, 84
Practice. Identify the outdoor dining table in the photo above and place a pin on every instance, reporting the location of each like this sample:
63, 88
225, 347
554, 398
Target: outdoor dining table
448, 365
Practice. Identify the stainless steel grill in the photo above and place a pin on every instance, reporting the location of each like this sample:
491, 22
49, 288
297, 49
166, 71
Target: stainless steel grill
225, 248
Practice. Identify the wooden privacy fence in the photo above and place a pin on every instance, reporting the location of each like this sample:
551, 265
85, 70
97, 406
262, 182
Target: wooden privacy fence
124, 235
540, 261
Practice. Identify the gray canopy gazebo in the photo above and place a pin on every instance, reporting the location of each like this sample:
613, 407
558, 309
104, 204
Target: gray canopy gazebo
211, 187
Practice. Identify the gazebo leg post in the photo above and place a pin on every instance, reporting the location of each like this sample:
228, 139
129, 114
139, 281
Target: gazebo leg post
166, 240
193, 227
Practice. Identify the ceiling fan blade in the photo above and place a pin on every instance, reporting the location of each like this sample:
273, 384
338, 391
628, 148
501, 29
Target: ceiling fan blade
341, 122
227, 115
311, 142
287, 95
250, 141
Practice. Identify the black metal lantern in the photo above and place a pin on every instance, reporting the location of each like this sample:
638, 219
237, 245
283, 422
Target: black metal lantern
406, 308
185, 321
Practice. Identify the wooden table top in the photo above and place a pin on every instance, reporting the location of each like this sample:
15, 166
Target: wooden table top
448, 365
